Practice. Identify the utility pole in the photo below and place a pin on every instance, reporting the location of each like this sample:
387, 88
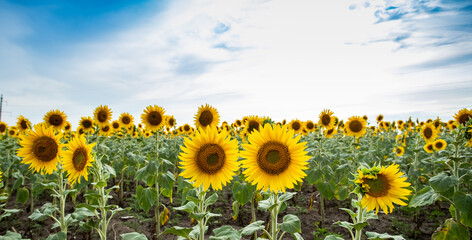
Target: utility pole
1, 103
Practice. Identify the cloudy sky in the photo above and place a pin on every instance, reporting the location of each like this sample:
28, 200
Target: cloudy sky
277, 58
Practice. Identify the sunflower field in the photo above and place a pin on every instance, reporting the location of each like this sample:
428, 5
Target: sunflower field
254, 178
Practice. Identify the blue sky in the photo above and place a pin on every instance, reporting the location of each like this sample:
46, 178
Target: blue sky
283, 59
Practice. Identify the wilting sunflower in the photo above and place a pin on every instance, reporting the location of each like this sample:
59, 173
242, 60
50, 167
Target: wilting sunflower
381, 187
380, 117
41, 148
463, 116
309, 126
170, 121
295, 125
23, 124
77, 158
399, 151
56, 119
102, 115
153, 118
274, 159
329, 133
126, 120
207, 116
209, 158
428, 131
428, 147
326, 119
439, 144
355, 126
3, 127
86, 123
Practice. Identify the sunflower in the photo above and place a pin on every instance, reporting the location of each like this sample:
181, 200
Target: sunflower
23, 124
295, 125
380, 117
13, 131
86, 123
469, 140
329, 133
3, 127
428, 147
439, 144
209, 158
56, 119
77, 158
252, 123
274, 159
153, 118
238, 123
170, 121
309, 126
355, 126
428, 131
126, 120
207, 116
399, 151
463, 116
67, 127
115, 125
106, 130
41, 148
327, 119
381, 187
102, 115
365, 118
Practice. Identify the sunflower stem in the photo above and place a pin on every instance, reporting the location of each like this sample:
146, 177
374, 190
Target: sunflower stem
201, 209
62, 201
157, 213
456, 174
274, 213
360, 217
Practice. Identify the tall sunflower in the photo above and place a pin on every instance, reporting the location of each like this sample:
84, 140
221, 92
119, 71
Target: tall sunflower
295, 125
209, 158
56, 119
102, 115
153, 118
428, 131
207, 116
23, 123
126, 119
41, 148
86, 123
274, 159
3, 127
381, 187
77, 158
355, 126
463, 116
327, 119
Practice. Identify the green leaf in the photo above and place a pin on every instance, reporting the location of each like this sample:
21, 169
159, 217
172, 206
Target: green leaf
424, 197
82, 213
242, 192
235, 209
264, 205
463, 203
225, 232
179, 231
286, 196
211, 200
291, 224
188, 207
326, 189
442, 182
333, 237
146, 197
314, 176
197, 216
361, 225
11, 236
43, 212
133, 236
346, 225
377, 236
22, 195
167, 180
58, 236
451, 230
297, 236
253, 227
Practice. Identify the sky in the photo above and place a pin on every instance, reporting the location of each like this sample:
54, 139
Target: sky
276, 58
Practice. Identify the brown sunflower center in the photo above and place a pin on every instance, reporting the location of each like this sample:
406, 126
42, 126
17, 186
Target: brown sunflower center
429, 147
325, 119
87, 124
115, 125
3, 128
380, 118
378, 187
67, 127
11, 132
310, 125
330, 131
296, 126
399, 150
210, 158
206, 118
186, 128
171, 122
106, 128
102, 116
79, 159
125, 120
238, 123
45, 149
273, 158
253, 125
428, 133
24, 125
355, 126
154, 118
439, 144
55, 120
464, 118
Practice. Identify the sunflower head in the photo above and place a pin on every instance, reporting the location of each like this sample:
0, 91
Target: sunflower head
23, 124
399, 151
106, 130
439, 144
170, 121
329, 133
126, 119
209, 158
56, 119
87, 124
428, 131
102, 115
13, 131
463, 116
207, 116
380, 118
355, 126
3, 127
295, 125
326, 119
77, 159
67, 127
252, 123
381, 187
41, 149
153, 118
274, 159
309, 126
428, 147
